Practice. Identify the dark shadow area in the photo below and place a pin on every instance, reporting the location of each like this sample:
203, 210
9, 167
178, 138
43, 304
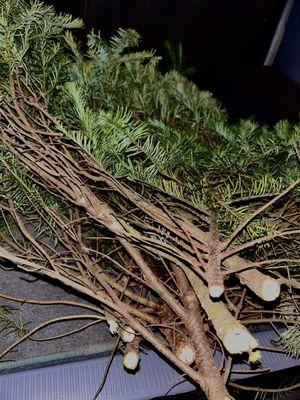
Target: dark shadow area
255, 90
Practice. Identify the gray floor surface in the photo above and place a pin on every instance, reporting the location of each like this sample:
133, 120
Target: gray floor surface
94, 340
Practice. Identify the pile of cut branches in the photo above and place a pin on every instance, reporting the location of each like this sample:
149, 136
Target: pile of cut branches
132, 188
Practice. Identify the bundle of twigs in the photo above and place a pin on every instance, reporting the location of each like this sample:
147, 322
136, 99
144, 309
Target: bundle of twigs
156, 266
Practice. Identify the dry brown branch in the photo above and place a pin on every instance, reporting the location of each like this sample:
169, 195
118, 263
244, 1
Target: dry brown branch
160, 270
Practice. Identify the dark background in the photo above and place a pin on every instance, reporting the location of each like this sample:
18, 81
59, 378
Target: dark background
225, 41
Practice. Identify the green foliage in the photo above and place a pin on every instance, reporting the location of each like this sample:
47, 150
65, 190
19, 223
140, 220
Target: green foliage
176, 57
17, 187
291, 341
143, 125
162, 130
111, 75
31, 42
9, 323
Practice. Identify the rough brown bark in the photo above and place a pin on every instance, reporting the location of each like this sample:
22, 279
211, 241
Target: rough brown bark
215, 388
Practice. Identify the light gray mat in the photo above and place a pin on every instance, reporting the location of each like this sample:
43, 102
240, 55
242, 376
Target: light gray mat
79, 380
